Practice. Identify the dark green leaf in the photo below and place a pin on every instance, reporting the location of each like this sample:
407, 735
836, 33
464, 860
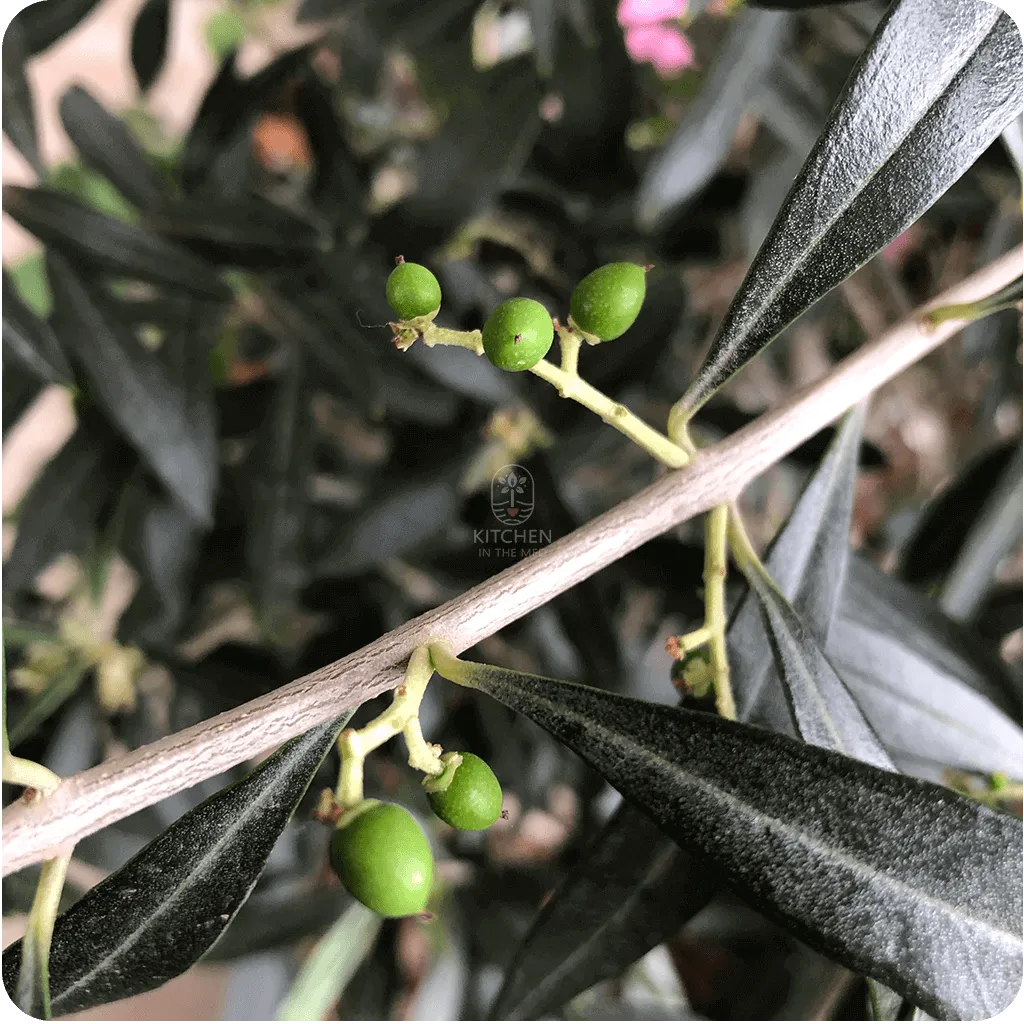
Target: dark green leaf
888, 607
703, 139
20, 390
921, 711
928, 96
57, 513
843, 854
149, 41
125, 250
107, 146
822, 706
152, 919
227, 109
604, 916
807, 562
947, 519
19, 118
247, 233
44, 23
991, 538
30, 340
130, 383
274, 545
544, 29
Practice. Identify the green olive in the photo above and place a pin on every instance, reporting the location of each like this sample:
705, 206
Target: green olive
472, 799
518, 334
413, 291
607, 301
383, 858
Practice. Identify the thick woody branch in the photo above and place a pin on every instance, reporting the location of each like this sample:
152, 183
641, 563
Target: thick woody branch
87, 802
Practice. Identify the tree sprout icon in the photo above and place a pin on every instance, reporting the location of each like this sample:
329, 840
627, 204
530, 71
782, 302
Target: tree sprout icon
512, 495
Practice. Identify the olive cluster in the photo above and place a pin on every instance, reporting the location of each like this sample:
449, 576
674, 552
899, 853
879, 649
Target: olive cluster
519, 332
382, 855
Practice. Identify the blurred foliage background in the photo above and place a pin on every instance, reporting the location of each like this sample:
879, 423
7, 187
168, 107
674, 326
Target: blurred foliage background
252, 482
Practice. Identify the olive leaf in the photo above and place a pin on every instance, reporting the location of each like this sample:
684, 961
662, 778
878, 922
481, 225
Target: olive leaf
19, 118
703, 140
248, 232
152, 919
629, 892
947, 519
635, 900
65, 224
331, 965
151, 409
60, 508
841, 853
930, 93
44, 23
31, 340
149, 41
107, 146
282, 462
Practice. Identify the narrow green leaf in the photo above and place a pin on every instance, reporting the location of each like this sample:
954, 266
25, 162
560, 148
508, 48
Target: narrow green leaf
807, 562
32, 992
44, 23
247, 232
276, 567
67, 225
630, 891
152, 919
107, 146
30, 340
936, 85
19, 118
822, 706
843, 854
135, 390
703, 139
149, 41
60, 508
329, 968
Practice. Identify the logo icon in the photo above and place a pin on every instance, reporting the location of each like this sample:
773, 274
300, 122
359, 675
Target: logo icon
512, 495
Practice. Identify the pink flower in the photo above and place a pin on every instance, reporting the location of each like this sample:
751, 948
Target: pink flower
649, 12
661, 45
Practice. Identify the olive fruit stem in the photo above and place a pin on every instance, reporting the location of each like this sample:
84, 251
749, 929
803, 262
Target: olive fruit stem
613, 413
433, 335
716, 559
569, 345
401, 717
439, 783
35, 777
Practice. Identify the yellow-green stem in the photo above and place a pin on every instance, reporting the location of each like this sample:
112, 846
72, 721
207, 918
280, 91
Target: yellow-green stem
473, 340
613, 413
401, 717
20, 772
742, 549
569, 345
715, 569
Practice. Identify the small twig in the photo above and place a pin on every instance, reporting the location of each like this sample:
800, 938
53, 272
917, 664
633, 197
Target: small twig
100, 796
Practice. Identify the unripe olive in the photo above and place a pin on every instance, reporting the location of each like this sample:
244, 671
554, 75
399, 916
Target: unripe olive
472, 799
413, 291
383, 858
606, 302
518, 334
